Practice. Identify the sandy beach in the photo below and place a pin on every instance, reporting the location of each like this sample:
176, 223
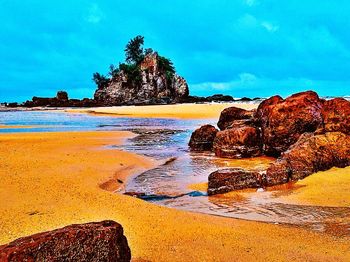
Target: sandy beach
49, 180
183, 111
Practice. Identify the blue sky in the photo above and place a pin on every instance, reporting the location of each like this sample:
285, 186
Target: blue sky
237, 47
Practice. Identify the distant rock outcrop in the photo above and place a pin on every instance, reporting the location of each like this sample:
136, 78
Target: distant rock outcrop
102, 241
154, 87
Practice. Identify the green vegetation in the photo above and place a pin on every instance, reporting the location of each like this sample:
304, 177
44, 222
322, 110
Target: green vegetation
134, 55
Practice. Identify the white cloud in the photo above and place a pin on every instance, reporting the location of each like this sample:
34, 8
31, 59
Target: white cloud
95, 14
250, 2
269, 26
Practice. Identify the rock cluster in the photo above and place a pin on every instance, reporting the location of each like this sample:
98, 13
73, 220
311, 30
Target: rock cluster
61, 100
102, 241
306, 133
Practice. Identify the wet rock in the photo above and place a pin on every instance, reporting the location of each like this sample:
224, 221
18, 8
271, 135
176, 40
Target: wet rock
238, 142
102, 241
230, 115
219, 98
336, 116
284, 121
226, 180
202, 139
312, 153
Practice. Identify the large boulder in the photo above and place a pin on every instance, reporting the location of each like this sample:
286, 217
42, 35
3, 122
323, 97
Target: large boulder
336, 116
240, 142
102, 241
230, 115
312, 153
202, 139
284, 121
230, 179
62, 96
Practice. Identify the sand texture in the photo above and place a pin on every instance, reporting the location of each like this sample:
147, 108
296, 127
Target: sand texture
183, 111
49, 180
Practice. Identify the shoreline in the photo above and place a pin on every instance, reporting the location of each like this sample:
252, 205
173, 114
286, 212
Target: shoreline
65, 169
178, 111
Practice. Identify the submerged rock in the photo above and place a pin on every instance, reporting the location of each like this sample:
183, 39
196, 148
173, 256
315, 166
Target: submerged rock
283, 122
240, 142
101, 241
202, 139
226, 180
312, 153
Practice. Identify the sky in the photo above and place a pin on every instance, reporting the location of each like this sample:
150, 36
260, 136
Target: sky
254, 48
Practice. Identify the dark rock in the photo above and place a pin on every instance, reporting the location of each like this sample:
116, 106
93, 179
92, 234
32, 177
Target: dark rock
219, 98
245, 99
202, 139
226, 180
336, 116
312, 153
230, 115
14, 104
62, 95
283, 122
238, 142
102, 241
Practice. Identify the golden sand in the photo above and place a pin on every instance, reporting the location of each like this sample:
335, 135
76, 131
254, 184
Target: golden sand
327, 188
183, 111
50, 180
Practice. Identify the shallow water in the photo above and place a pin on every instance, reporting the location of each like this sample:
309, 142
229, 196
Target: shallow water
175, 184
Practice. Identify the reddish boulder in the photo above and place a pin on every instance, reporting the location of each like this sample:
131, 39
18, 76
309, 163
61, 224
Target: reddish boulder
238, 142
102, 241
283, 122
312, 153
202, 138
336, 116
230, 115
226, 180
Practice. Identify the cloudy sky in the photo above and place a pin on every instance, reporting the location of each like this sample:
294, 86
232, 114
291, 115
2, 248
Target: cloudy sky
237, 47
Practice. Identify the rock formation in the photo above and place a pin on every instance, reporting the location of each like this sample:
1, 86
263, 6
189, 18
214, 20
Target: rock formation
102, 241
202, 139
230, 179
307, 133
155, 86
61, 100
312, 153
239, 142
284, 121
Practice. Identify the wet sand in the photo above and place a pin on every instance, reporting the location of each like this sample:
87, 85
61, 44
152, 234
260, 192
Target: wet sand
183, 111
49, 180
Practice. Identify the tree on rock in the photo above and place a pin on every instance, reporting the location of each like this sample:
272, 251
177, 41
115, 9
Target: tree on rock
134, 50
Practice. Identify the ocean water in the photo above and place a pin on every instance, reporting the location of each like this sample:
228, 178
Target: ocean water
175, 184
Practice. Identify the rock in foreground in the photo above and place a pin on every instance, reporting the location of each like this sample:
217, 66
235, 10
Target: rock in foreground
230, 179
232, 115
102, 241
202, 139
241, 142
312, 153
284, 121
